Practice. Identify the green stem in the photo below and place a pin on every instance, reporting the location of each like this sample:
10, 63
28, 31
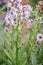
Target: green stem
28, 56
28, 52
17, 43
17, 47
17, 51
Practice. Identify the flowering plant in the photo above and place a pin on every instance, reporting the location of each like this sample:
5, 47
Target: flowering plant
23, 36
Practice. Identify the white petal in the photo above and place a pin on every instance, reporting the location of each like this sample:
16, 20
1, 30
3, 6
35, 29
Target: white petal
19, 1
9, 4
38, 37
12, 0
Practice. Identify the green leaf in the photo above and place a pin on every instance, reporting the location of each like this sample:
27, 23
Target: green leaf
7, 54
1, 36
33, 2
1, 11
33, 58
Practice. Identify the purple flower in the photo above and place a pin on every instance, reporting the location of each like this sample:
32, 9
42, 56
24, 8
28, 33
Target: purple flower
39, 37
15, 10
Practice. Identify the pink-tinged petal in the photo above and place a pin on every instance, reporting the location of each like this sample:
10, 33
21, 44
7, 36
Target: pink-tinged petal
29, 23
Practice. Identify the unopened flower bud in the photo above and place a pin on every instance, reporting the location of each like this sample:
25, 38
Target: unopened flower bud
6, 29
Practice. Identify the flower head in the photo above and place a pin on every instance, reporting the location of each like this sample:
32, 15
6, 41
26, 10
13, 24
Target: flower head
29, 23
39, 37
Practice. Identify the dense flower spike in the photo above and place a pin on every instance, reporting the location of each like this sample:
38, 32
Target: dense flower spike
17, 8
